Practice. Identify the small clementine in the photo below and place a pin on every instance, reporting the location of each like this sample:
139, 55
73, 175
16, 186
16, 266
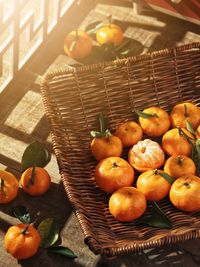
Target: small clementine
129, 132
113, 173
78, 44
22, 241
127, 204
179, 165
8, 187
35, 182
176, 142
109, 34
185, 193
107, 146
185, 112
156, 121
153, 185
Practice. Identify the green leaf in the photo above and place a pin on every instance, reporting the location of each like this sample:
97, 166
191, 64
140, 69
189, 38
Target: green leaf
36, 154
157, 218
107, 133
63, 251
189, 127
189, 139
102, 123
96, 134
126, 52
155, 221
49, 232
103, 132
197, 149
144, 115
22, 214
198, 142
123, 45
167, 177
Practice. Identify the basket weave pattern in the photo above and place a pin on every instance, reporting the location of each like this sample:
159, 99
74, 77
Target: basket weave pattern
73, 99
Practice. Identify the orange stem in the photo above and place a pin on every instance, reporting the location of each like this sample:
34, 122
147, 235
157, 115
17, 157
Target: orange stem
1, 184
23, 232
180, 160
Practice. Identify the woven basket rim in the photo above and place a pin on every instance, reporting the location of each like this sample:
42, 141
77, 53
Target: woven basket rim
149, 55
116, 251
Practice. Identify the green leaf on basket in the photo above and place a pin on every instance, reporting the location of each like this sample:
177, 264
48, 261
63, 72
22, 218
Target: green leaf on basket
103, 131
63, 251
36, 154
198, 145
197, 150
144, 115
126, 52
167, 177
22, 214
102, 123
126, 43
189, 127
49, 232
96, 134
157, 218
188, 138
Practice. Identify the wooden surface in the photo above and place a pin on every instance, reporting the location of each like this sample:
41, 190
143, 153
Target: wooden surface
23, 121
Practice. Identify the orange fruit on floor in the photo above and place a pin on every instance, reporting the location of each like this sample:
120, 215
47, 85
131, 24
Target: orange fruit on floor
146, 155
197, 133
109, 34
179, 165
78, 44
127, 204
183, 112
9, 187
129, 132
40, 183
153, 185
22, 241
157, 124
176, 143
108, 146
113, 173
185, 193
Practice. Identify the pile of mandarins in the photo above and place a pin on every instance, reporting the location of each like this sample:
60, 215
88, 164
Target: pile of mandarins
165, 169
23, 240
79, 44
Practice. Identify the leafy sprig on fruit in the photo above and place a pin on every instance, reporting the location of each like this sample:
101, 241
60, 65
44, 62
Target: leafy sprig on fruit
48, 230
103, 131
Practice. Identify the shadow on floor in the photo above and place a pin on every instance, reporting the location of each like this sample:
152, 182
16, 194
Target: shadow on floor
169, 255
53, 204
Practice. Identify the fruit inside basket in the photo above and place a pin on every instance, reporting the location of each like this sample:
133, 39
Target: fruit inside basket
74, 98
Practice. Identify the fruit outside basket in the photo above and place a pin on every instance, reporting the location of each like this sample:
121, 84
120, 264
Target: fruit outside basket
73, 99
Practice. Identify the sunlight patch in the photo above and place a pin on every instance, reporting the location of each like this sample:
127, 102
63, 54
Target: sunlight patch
11, 148
27, 113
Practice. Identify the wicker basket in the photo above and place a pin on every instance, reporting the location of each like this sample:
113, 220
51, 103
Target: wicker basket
73, 99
